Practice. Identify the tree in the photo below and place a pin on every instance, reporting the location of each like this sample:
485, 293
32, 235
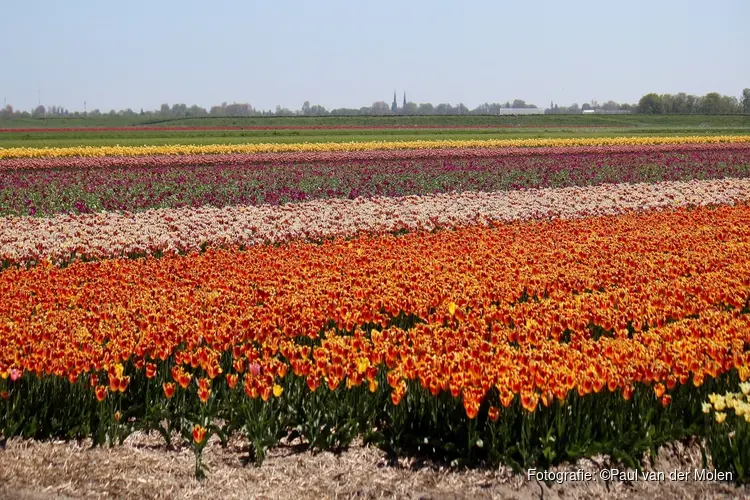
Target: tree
318, 110
306, 108
443, 109
196, 110
179, 110
380, 108
518, 104
426, 109
728, 104
711, 103
345, 112
164, 110
650, 104
586, 106
39, 112
411, 108
746, 101
283, 111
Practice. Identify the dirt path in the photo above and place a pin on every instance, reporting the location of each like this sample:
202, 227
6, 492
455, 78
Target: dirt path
144, 468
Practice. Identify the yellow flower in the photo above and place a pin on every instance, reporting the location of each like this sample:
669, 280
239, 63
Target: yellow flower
362, 364
720, 417
720, 404
706, 408
176, 149
745, 388
452, 308
277, 390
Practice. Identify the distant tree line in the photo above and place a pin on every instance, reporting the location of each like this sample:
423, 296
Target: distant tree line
607, 107
711, 103
244, 109
682, 103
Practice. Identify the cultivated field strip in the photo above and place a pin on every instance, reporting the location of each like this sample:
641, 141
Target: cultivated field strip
178, 149
65, 238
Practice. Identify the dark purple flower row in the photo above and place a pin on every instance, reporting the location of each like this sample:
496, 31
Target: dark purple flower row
238, 159
76, 189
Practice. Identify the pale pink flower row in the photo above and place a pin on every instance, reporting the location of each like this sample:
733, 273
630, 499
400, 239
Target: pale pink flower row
63, 238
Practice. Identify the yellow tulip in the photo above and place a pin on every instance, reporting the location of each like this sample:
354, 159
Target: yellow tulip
181, 149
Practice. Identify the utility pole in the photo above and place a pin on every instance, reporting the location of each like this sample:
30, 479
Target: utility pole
39, 97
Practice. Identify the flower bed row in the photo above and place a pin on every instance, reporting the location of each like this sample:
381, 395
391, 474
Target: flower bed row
528, 329
65, 238
245, 159
181, 149
46, 192
187, 128
475, 280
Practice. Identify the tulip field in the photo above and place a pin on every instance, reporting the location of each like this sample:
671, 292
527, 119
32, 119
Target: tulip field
524, 302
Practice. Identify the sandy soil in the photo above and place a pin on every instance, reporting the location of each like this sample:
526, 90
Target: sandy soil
144, 468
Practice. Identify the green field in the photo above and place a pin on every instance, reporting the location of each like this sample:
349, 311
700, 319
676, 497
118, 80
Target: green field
634, 120
137, 138
393, 128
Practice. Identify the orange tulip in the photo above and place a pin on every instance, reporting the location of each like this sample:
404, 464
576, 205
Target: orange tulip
232, 379
199, 434
169, 389
493, 413
101, 393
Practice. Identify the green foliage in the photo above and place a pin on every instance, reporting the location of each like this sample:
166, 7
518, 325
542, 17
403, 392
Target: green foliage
728, 441
408, 123
650, 104
436, 426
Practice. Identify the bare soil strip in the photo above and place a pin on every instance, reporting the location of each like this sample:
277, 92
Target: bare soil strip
144, 468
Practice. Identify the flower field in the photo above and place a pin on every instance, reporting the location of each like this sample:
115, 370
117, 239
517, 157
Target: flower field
524, 302
181, 149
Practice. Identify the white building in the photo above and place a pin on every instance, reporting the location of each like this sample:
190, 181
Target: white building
520, 111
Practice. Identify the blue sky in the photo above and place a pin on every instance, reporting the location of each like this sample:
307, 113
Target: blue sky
339, 53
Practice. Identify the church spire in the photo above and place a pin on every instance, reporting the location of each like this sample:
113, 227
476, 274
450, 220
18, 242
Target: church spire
404, 99
394, 106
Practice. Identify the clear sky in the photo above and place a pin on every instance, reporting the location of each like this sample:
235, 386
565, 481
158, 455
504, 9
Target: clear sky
350, 53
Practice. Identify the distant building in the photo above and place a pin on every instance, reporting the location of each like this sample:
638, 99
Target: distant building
394, 106
612, 111
520, 111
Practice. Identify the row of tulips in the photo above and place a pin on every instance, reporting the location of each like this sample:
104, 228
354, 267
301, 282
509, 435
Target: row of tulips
244, 159
279, 126
180, 149
62, 239
45, 192
629, 318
